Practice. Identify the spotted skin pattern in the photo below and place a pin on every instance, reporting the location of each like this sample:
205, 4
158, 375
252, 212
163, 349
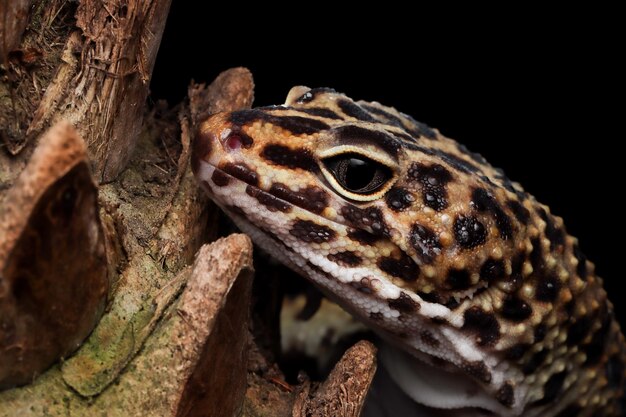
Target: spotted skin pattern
449, 260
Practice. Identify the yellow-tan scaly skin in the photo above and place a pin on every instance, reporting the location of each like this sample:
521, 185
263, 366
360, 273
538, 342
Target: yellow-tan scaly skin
442, 255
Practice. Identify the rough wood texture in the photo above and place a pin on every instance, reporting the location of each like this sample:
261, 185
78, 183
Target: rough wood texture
343, 393
88, 64
163, 380
48, 220
13, 21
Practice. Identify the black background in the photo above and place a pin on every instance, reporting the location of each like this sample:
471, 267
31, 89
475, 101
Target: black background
536, 92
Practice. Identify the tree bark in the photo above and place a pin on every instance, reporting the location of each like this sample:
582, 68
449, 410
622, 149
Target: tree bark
89, 63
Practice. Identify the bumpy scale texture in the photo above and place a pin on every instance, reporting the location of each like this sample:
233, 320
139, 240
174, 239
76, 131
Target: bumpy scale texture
442, 255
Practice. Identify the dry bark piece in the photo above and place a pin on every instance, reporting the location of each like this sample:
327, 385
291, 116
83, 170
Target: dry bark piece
231, 90
344, 391
53, 269
201, 338
218, 384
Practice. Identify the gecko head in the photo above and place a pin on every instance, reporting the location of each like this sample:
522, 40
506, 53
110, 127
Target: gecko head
406, 229
362, 191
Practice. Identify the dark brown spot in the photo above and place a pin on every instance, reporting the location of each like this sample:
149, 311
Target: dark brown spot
435, 200
201, 150
469, 232
516, 352
296, 125
434, 179
351, 109
408, 139
241, 172
357, 135
369, 217
552, 388
555, 234
439, 320
547, 289
431, 297
517, 266
404, 267
321, 112
578, 330
581, 267
596, 347
346, 258
312, 198
491, 270
534, 362
483, 201
521, 213
536, 256
385, 115
291, 158
243, 117
540, 332
363, 237
515, 309
311, 232
614, 369
478, 370
452, 303
376, 316
399, 199
476, 157
425, 242
435, 175
484, 324
458, 163
458, 279
404, 304
428, 339
420, 129
272, 203
219, 178
505, 395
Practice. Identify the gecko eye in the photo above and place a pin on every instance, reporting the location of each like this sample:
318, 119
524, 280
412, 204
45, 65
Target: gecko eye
358, 174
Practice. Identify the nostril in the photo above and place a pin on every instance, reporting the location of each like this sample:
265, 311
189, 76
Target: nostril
233, 142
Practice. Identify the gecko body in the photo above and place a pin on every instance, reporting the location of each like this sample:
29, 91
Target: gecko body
459, 268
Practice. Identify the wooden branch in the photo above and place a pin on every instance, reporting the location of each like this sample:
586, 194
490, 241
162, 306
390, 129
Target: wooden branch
97, 80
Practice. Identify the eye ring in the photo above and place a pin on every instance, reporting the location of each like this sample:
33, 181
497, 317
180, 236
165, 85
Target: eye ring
356, 176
